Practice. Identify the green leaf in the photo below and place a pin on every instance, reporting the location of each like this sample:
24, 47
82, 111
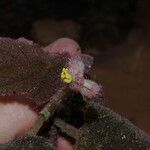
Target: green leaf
106, 130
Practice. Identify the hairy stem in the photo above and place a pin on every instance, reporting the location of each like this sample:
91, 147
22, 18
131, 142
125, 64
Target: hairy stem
48, 111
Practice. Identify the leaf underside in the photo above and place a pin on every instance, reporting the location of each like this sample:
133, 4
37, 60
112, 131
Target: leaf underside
26, 70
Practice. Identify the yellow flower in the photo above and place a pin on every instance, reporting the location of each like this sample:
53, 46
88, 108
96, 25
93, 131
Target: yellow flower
66, 76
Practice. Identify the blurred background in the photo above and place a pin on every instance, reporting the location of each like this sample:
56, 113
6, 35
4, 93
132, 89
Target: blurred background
115, 32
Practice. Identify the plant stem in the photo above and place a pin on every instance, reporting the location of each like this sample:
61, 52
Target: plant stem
48, 111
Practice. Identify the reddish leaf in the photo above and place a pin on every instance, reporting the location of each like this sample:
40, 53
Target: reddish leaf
26, 70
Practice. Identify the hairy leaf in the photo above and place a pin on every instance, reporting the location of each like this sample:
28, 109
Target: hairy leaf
26, 70
28, 143
106, 130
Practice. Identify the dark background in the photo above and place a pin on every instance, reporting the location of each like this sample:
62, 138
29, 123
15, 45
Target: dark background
115, 32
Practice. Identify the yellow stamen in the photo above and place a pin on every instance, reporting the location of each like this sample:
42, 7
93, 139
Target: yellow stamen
66, 76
